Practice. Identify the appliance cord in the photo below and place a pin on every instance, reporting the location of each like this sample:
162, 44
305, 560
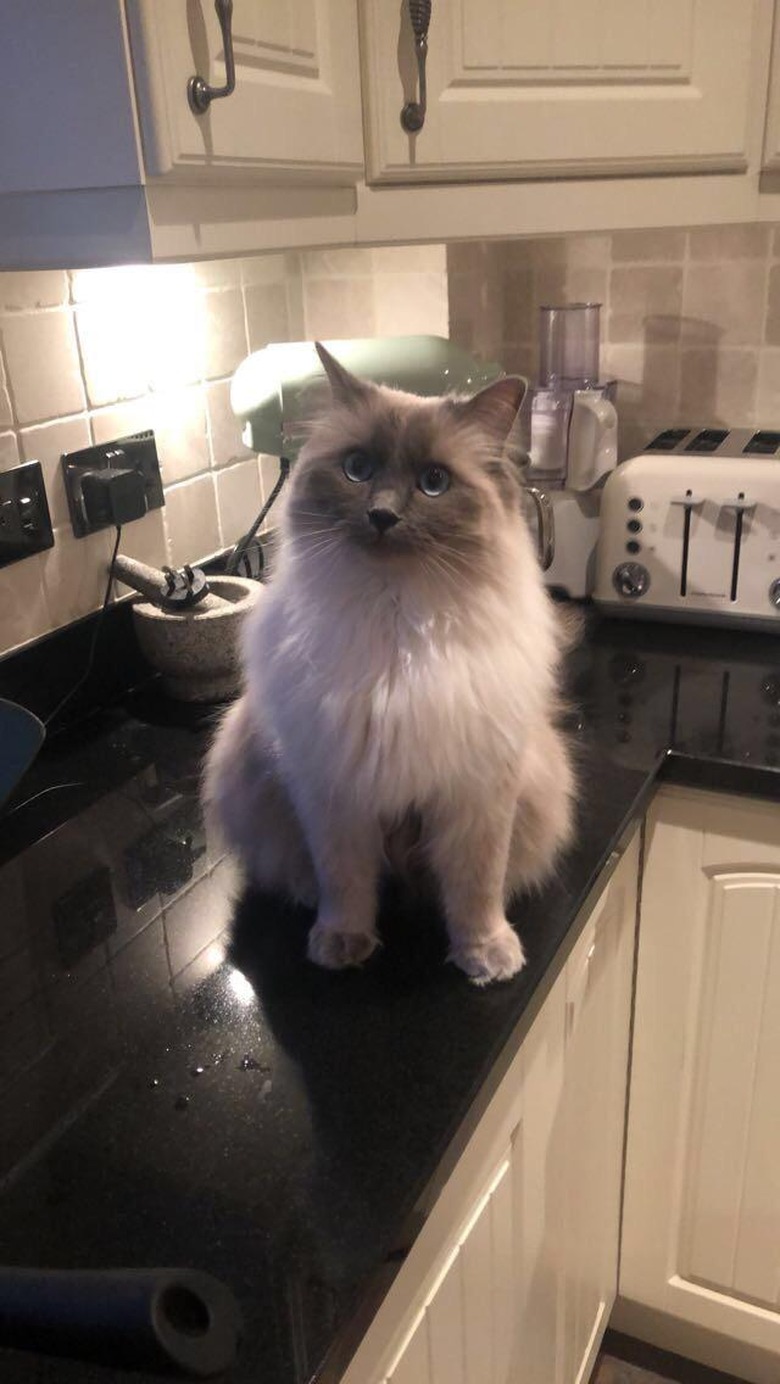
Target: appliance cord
239, 552
93, 642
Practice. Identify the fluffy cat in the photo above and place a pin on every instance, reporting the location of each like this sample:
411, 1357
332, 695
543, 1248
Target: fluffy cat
400, 670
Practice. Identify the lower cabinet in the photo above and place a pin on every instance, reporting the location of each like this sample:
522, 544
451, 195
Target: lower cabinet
514, 1274
700, 1264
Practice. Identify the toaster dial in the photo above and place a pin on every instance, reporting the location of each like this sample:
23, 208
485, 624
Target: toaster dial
774, 593
631, 579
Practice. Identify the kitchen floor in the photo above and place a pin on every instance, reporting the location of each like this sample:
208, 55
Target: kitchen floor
624, 1360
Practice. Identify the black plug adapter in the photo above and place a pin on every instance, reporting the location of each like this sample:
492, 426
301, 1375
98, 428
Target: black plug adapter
114, 495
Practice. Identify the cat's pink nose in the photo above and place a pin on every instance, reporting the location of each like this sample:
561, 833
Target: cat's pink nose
383, 519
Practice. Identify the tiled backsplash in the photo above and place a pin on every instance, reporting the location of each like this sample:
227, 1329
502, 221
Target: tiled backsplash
94, 354
690, 320
690, 327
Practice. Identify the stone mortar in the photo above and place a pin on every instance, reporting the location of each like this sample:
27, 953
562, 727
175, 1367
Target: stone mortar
197, 652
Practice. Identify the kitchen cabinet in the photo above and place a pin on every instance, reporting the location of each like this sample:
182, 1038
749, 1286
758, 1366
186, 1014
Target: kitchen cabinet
700, 1263
513, 1275
103, 161
533, 90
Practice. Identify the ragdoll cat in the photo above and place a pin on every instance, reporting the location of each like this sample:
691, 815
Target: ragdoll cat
400, 672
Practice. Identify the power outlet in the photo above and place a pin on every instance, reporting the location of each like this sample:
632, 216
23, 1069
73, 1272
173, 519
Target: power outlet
25, 525
136, 453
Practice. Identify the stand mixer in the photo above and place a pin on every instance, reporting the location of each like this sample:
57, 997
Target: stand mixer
569, 424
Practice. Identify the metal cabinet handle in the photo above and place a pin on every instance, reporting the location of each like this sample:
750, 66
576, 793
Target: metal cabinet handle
545, 521
199, 94
413, 113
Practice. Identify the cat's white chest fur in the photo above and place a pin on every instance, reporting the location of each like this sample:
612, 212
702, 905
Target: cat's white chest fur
392, 701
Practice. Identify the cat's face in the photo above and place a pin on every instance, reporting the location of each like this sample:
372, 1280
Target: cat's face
399, 477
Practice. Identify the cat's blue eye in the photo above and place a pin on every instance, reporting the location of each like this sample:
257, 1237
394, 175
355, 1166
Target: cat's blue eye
434, 480
358, 466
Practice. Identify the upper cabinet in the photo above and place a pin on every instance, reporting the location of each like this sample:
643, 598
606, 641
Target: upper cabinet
294, 112
533, 88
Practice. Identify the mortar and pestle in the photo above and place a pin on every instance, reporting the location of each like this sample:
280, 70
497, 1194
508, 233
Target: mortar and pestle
188, 627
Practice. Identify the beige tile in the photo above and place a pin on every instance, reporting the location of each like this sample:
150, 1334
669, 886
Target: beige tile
772, 330
127, 285
768, 388
24, 614
732, 301
588, 251
544, 252
648, 246
191, 521
648, 381
350, 263
719, 386
728, 242
268, 468
238, 499
144, 540
268, 269
44, 288
219, 273
75, 572
115, 367
410, 259
6, 412
549, 286
178, 418
336, 309
122, 420
42, 360
225, 445
267, 314
641, 299
406, 304
466, 256
464, 307
586, 285
224, 328
9, 451
46, 444
295, 307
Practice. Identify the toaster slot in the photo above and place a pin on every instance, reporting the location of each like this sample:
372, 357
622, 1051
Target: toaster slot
740, 507
686, 546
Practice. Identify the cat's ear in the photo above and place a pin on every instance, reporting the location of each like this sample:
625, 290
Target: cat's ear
346, 388
494, 409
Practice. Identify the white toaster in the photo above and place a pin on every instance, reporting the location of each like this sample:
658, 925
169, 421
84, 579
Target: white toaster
690, 530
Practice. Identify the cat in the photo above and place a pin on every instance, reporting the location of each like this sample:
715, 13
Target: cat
401, 667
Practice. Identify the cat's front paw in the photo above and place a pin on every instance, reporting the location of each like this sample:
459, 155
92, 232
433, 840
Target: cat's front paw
336, 949
499, 957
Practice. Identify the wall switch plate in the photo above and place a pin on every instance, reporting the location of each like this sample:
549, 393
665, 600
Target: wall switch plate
136, 453
25, 524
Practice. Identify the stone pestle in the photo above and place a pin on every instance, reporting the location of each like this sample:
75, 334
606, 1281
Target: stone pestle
152, 583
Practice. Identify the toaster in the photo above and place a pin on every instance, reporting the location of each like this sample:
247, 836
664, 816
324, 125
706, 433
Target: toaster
690, 530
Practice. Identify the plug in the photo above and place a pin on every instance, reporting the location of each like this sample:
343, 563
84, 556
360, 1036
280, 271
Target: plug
115, 495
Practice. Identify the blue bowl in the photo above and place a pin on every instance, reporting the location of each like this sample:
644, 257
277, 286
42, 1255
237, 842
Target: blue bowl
21, 737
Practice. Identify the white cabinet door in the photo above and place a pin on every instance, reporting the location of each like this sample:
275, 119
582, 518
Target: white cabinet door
295, 111
533, 88
512, 1277
701, 1236
771, 158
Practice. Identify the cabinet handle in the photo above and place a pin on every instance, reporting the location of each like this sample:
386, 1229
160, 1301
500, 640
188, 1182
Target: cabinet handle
413, 113
199, 94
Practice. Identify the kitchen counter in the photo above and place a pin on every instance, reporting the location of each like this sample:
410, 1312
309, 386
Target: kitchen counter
181, 1087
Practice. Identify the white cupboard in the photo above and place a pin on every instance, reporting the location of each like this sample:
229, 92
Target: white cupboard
512, 1277
295, 112
700, 1265
533, 89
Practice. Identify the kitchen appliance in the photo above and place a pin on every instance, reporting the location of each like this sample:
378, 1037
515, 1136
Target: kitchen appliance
569, 424
690, 530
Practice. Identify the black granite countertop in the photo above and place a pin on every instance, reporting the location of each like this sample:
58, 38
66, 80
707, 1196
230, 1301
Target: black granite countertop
180, 1086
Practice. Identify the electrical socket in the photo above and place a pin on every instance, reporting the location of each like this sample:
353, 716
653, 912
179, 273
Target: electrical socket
135, 453
25, 524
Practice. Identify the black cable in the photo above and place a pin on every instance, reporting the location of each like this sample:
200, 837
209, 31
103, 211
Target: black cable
237, 555
93, 642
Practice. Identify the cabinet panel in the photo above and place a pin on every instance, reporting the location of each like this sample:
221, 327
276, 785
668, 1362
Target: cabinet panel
701, 1231
295, 111
577, 86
